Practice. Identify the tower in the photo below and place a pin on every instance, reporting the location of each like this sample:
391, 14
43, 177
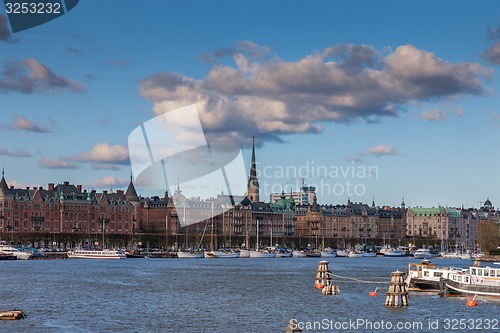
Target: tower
253, 182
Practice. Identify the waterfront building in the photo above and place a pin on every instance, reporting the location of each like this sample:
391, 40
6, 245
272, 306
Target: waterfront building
446, 226
62, 210
304, 197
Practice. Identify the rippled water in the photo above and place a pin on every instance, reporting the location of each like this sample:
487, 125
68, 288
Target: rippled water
215, 295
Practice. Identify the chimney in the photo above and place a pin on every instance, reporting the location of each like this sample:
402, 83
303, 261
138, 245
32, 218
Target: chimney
40, 188
66, 183
119, 192
27, 187
79, 187
105, 191
51, 186
11, 187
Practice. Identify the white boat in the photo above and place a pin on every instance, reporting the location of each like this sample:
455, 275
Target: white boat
483, 281
425, 276
369, 254
96, 254
298, 254
283, 254
9, 250
262, 254
465, 256
189, 254
449, 255
328, 254
342, 253
394, 253
355, 254
244, 253
422, 254
222, 254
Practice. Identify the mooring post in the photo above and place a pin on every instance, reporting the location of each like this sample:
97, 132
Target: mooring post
397, 289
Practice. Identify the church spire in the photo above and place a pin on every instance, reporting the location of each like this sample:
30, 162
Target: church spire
253, 182
131, 193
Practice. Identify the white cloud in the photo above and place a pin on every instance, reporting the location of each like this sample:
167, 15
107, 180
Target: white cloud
30, 76
107, 182
60, 163
103, 153
274, 97
433, 115
382, 150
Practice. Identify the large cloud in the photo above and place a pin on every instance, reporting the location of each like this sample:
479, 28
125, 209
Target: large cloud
103, 153
30, 76
344, 83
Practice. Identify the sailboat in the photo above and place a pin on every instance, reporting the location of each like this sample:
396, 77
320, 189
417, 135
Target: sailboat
221, 253
261, 253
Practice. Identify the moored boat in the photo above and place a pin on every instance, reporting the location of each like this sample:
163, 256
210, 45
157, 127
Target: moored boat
483, 281
369, 254
190, 254
262, 254
134, 254
12, 315
313, 254
298, 254
394, 253
222, 254
422, 253
342, 253
96, 254
12, 251
425, 276
355, 254
328, 254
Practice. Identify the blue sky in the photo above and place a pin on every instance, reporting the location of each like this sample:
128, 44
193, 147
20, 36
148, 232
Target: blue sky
407, 90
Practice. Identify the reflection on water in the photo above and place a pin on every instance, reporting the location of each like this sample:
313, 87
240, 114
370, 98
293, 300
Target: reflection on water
212, 295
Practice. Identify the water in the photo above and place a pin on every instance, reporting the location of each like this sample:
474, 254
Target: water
219, 295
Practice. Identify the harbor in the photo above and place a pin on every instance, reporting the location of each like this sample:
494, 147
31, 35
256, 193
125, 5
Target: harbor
216, 295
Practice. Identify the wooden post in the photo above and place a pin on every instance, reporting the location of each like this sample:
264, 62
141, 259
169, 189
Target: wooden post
323, 280
397, 289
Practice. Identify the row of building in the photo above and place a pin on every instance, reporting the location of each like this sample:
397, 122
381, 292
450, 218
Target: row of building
70, 211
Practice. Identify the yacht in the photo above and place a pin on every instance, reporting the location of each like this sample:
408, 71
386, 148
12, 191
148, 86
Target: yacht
96, 254
222, 254
476, 280
262, 254
298, 254
189, 254
425, 276
422, 254
394, 253
12, 251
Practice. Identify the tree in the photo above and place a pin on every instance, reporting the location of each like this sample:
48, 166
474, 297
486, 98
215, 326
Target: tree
488, 235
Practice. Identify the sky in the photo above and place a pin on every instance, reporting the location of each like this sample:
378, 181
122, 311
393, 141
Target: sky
379, 100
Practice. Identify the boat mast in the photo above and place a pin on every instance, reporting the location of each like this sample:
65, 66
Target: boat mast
212, 233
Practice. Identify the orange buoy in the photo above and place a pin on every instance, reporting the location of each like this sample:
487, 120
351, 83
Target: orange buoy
373, 294
320, 286
471, 302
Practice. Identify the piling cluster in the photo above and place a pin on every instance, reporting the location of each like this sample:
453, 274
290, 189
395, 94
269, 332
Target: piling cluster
323, 280
397, 290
